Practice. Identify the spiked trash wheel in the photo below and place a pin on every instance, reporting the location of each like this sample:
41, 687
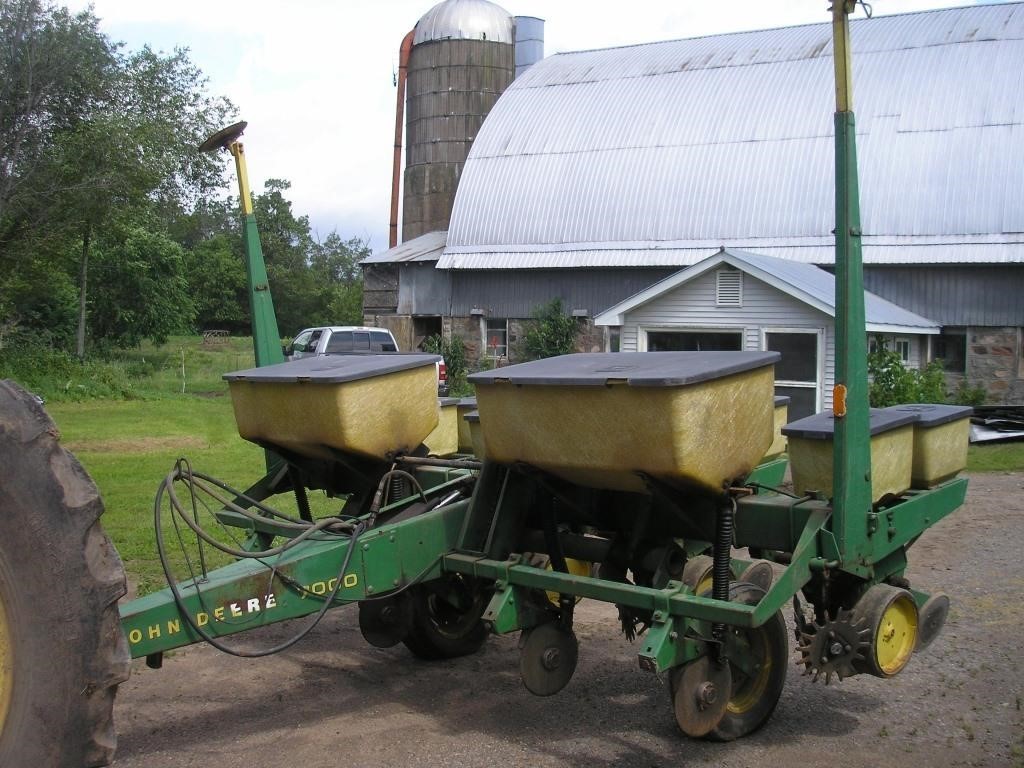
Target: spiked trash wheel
833, 648
62, 652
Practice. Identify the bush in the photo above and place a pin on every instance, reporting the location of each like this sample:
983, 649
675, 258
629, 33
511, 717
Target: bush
552, 333
57, 375
454, 353
893, 384
968, 395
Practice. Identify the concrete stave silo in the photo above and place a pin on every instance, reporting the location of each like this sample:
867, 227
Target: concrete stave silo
462, 59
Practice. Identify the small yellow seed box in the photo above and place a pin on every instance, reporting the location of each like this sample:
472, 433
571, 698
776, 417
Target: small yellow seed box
370, 405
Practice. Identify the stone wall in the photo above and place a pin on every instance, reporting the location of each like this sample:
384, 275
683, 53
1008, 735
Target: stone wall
590, 339
467, 329
994, 362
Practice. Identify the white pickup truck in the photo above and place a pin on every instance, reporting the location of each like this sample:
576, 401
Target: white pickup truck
351, 340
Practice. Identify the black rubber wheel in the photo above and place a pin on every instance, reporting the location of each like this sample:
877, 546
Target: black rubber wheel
446, 619
62, 651
757, 660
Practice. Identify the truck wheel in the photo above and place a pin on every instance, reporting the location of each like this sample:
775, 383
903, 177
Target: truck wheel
62, 652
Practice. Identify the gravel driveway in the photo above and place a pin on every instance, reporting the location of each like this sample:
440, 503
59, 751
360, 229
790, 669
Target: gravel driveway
334, 701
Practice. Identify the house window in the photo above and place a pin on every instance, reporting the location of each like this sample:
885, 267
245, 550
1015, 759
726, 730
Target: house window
728, 288
694, 341
496, 338
902, 347
950, 347
798, 375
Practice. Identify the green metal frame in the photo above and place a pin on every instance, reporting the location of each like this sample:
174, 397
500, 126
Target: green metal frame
248, 594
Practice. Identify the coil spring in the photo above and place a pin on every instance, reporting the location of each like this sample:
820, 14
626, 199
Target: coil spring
722, 556
399, 488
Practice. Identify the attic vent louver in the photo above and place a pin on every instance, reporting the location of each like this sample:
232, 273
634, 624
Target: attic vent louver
729, 288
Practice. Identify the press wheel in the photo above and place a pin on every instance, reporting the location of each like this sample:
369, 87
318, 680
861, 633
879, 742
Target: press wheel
932, 619
757, 664
698, 573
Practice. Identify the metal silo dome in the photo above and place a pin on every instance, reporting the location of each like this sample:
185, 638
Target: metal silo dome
465, 20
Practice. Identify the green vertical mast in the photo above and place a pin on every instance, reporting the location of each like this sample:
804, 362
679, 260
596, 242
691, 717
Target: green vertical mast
266, 338
852, 453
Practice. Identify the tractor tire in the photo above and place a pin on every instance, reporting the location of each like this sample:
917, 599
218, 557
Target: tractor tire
62, 651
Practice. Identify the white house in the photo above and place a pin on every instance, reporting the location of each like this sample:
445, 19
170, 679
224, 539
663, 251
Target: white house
737, 300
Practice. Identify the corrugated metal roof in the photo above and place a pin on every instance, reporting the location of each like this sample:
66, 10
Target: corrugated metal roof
650, 154
426, 247
805, 282
465, 20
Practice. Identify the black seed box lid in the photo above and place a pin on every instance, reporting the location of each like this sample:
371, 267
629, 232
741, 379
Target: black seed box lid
636, 369
822, 426
933, 414
332, 369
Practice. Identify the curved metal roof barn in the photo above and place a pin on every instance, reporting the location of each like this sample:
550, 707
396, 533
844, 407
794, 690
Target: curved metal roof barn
651, 155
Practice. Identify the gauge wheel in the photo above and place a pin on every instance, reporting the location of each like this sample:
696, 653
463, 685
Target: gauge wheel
62, 651
757, 662
699, 573
891, 615
446, 617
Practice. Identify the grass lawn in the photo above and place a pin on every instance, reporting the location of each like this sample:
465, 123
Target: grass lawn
996, 457
129, 447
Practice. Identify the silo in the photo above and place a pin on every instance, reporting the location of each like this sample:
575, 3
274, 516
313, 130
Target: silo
462, 58
529, 42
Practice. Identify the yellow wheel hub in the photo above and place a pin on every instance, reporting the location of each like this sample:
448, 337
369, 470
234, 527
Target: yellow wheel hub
6, 667
750, 685
897, 635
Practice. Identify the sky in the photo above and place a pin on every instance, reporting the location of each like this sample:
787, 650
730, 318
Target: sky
315, 78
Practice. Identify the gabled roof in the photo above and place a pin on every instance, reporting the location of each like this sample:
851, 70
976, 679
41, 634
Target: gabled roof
423, 248
804, 282
651, 155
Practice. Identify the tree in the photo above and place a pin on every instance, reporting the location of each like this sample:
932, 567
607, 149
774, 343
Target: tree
143, 292
552, 332
218, 285
312, 283
92, 138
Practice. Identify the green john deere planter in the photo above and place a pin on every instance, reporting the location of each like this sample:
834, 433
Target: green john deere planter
634, 479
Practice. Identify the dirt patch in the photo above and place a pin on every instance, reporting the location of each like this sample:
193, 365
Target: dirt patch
137, 445
332, 700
